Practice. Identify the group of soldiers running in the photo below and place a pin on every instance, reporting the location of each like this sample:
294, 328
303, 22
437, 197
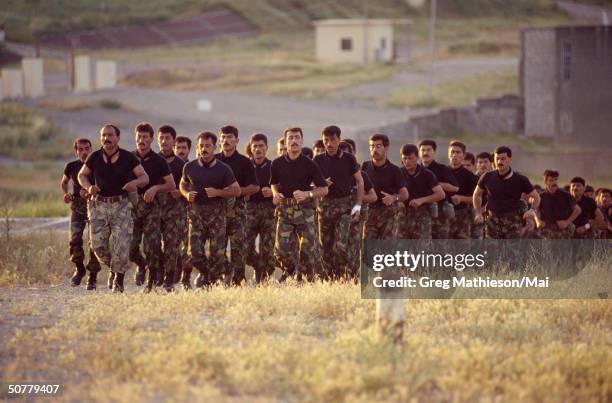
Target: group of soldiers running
310, 210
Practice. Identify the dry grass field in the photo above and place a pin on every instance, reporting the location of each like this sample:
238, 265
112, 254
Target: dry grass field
288, 343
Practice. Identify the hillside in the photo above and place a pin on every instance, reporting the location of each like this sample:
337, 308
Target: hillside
24, 20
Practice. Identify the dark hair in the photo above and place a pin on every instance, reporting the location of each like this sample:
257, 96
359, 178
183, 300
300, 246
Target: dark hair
144, 127
183, 139
167, 129
380, 137
206, 136
255, 137
318, 144
330, 131
115, 128
484, 155
604, 190
428, 142
281, 141
470, 157
409, 149
346, 147
293, 129
549, 173
457, 143
229, 129
352, 143
81, 140
503, 150
589, 188
307, 151
578, 179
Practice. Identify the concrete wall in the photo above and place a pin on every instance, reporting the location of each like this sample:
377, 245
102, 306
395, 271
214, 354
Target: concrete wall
538, 82
12, 83
328, 40
106, 74
33, 77
82, 74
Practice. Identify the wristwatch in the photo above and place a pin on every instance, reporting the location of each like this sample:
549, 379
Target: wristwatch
396, 198
310, 194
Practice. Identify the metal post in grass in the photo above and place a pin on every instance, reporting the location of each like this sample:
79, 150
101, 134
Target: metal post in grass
390, 311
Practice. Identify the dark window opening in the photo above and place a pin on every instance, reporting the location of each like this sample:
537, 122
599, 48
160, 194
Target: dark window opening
346, 44
566, 61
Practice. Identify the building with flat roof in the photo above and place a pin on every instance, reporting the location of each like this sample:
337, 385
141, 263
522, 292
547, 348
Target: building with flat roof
354, 40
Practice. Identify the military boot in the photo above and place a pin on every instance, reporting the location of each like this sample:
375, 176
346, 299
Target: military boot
118, 282
111, 280
159, 277
91, 280
139, 277
186, 278
78, 275
168, 281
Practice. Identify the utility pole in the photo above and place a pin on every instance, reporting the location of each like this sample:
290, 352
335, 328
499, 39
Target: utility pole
432, 44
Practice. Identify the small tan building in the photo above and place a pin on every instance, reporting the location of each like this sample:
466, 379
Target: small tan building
354, 40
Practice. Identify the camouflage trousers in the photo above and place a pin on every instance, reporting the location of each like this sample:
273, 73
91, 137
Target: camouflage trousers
235, 233
207, 223
260, 223
147, 223
552, 231
356, 241
589, 234
78, 221
172, 228
416, 223
334, 234
506, 226
183, 259
296, 236
110, 231
460, 226
440, 227
383, 222
476, 230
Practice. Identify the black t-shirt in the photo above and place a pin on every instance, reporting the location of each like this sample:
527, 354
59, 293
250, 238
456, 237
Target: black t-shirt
556, 206
588, 207
387, 178
198, 177
155, 166
112, 177
367, 182
298, 174
241, 167
340, 168
467, 183
71, 170
176, 168
420, 184
504, 195
262, 173
443, 173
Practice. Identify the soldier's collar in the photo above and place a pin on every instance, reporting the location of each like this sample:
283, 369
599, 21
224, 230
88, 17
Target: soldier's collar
337, 156
207, 164
146, 157
506, 175
263, 164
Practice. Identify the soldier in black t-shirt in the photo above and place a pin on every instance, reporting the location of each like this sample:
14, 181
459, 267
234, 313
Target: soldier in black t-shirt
147, 209
337, 209
390, 187
423, 189
558, 209
460, 226
484, 161
504, 189
604, 205
236, 212
291, 178
440, 225
78, 216
590, 216
171, 217
110, 212
206, 183
260, 212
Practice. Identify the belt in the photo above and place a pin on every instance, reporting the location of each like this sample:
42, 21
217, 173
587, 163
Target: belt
338, 199
111, 199
290, 201
491, 213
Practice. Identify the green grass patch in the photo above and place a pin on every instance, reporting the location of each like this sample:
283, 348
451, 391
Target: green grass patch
28, 135
457, 92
